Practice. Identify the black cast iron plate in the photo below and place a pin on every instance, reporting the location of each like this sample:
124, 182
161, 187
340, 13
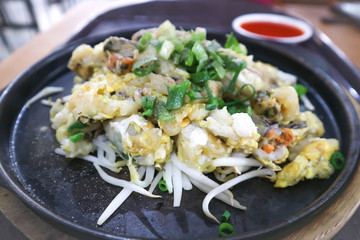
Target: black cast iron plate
71, 195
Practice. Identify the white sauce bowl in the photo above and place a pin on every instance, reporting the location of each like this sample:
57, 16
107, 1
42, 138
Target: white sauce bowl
307, 30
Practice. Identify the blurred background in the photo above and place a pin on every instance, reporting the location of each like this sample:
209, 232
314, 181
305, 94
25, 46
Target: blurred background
20, 20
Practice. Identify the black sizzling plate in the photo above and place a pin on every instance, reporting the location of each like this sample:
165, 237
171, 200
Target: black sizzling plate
71, 195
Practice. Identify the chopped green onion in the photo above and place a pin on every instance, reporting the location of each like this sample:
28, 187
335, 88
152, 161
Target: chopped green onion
145, 66
242, 89
200, 55
225, 216
216, 57
233, 44
162, 185
76, 126
197, 88
167, 29
219, 69
144, 42
166, 49
162, 113
76, 137
189, 61
249, 111
300, 89
231, 86
148, 103
337, 160
191, 93
213, 46
176, 95
214, 103
198, 35
176, 58
157, 44
200, 77
179, 46
226, 229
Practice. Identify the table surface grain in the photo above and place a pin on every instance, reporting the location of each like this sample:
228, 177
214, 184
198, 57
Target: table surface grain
345, 36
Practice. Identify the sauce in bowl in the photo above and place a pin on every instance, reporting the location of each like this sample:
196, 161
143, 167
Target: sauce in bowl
272, 27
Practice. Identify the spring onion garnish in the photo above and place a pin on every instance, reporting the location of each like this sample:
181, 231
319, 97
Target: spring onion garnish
187, 56
213, 102
166, 49
249, 111
200, 77
226, 229
145, 66
198, 35
162, 113
234, 45
231, 86
162, 185
200, 55
225, 216
213, 46
242, 89
300, 89
176, 95
219, 69
337, 160
77, 125
144, 42
148, 103
76, 137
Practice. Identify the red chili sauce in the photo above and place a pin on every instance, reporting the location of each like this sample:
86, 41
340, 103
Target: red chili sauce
272, 29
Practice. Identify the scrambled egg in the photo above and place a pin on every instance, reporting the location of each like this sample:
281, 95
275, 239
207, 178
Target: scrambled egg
313, 161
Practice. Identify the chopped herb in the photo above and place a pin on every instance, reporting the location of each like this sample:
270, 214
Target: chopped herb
216, 57
226, 229
197, 88
200, 77
190, 59
162, 113
337, 160
219, 69
225, 216
214, 103
198, 36
300, 89
145, 66
144, 42
166, 49
76, 137
242, 89
76, 126
176, 58
233, 44
213, 46
231, 86
157, 44
176, 95
148, 103
162, 185
249, 111
200, 55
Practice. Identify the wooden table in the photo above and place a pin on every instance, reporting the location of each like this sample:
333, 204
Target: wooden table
345, 36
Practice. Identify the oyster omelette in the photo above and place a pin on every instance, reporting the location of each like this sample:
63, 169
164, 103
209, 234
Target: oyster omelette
173, 107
